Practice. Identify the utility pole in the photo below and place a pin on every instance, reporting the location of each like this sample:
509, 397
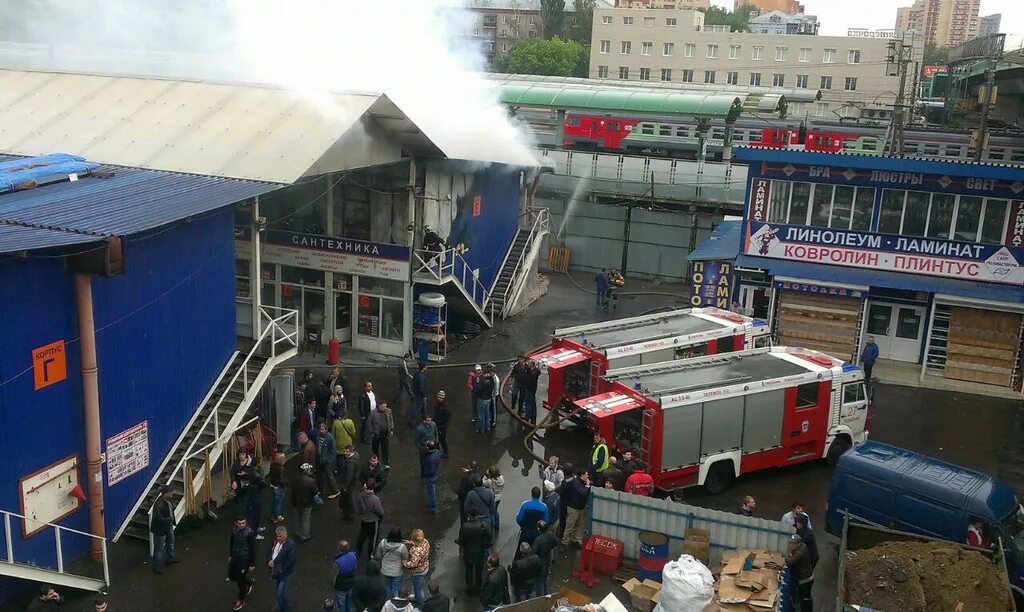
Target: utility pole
900, 56
982, 137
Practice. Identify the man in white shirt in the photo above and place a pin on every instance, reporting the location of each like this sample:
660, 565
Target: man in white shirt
367, 405
789, 518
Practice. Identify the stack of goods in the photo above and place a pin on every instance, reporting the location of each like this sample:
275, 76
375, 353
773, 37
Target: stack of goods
749, 581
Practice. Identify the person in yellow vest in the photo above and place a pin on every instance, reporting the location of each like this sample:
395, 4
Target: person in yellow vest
598, 460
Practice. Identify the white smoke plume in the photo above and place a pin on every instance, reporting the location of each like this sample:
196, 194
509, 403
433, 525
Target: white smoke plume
411, 50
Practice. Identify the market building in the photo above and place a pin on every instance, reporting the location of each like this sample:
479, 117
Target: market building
924, 255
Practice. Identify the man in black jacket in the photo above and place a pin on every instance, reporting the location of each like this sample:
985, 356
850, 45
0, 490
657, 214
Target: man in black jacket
241, 558
281, 564
369, 592
374, 470
442, 416
495, 589
528, 390
162, 528
303, 490
474, 539
544, 545
436, 600
469, 473
525, 572
516, 374
347, 481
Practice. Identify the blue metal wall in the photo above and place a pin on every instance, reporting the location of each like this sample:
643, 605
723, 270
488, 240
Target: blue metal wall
489, 228
164, 331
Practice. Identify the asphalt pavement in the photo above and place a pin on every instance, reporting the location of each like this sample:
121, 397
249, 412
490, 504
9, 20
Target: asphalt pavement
979, 432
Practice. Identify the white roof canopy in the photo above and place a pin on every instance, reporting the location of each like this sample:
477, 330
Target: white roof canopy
253, 132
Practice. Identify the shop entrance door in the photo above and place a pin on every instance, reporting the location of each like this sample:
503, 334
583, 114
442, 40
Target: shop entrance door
898, 329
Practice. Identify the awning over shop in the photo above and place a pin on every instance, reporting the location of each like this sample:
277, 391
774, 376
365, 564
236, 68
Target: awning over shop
890, 280
723, 244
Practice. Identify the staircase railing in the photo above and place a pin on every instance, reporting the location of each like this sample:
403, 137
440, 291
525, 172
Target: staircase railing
541, 224
282, 329
57, 530
449, 262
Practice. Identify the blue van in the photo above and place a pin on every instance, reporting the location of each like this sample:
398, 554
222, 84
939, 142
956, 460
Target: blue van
900, 489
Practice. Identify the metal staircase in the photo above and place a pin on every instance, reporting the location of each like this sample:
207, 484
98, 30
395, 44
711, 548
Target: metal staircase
449, 272
517, 267
189, 464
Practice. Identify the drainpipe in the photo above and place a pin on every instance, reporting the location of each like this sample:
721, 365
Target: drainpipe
256, 270
91, 403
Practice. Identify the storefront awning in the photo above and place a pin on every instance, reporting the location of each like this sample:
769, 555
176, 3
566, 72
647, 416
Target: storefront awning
1013, 294
723, 244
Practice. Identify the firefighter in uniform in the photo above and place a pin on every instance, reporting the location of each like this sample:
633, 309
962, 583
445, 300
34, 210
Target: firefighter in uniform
598, 460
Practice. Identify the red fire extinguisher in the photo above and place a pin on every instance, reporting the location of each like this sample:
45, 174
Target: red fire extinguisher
333, 351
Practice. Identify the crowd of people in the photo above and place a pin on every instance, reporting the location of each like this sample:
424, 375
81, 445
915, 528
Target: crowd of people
342, 449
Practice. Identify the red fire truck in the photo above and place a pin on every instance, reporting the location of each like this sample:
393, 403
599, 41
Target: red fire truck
573, 364
707, 420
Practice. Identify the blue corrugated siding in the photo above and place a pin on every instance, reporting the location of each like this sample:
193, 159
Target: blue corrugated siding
166, 328
37, 307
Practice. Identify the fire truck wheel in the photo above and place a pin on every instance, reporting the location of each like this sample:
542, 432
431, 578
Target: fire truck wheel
839, 446
720, 476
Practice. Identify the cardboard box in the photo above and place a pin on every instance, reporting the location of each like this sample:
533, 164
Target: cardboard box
697, 543
644, 595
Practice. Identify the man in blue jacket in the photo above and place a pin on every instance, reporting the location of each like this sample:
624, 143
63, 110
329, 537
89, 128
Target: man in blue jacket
601, 287
531, 511
868, 357
281, 563
431, 468
345, 580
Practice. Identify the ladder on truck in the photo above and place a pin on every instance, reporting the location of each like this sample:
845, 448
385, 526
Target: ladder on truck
618, 325
595, 377
647, 437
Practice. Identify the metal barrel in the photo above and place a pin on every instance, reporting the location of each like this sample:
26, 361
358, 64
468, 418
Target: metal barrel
653, 555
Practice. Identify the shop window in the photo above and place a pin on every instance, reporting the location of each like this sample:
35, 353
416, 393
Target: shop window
807, 395
968, 218
915, 214
891, 213
351, 211
302, 276
994, 221
799, 203
940, 217
864, 202
842, 207
381, 308
821, 208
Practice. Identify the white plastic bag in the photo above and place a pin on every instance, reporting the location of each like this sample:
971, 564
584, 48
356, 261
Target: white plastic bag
687, 586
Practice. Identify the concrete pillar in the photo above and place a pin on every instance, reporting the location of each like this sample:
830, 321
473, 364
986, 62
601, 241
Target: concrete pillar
559, 128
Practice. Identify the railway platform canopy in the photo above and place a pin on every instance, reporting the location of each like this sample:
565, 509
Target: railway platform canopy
517, 89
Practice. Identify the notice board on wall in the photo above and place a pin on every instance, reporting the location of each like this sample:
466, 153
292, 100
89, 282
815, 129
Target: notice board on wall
127, 453
46, 495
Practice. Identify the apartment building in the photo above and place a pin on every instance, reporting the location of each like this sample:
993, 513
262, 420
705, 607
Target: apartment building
764, 6
664, 4
943, 23
496, 25
989, 24
777, 22
642, 45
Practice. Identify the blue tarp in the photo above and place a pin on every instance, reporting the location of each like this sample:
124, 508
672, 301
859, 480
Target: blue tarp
28, 172
879, 278
723, 244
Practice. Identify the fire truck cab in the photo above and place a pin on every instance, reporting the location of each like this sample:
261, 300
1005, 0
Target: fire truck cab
708, 420
573, 365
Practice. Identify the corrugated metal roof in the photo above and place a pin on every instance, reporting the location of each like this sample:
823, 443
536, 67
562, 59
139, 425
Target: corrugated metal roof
114, 201
217, 129
722, 106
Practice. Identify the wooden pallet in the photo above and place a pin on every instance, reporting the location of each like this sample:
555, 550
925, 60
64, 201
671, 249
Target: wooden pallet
558, 259
626, 571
